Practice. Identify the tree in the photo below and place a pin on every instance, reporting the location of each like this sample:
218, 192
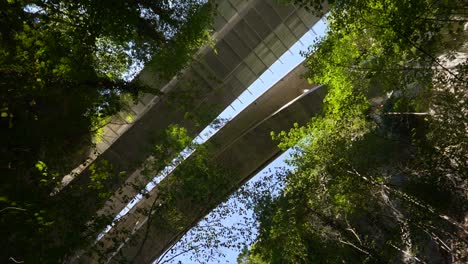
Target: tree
63, 66
371, 183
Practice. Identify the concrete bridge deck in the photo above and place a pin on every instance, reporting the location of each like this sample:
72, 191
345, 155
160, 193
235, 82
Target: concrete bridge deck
242, 147
253, 34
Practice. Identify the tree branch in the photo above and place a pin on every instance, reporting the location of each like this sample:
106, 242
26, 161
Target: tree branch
15, 261
173, 257
354, 246
407, 113
13, 208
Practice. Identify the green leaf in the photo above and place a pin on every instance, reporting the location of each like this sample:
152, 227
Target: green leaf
41, 166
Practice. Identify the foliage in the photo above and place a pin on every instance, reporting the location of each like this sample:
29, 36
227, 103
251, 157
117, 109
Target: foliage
63, 66
367, 170
167, 152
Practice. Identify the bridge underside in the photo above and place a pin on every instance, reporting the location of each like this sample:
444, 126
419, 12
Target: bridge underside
252, 35
241, 148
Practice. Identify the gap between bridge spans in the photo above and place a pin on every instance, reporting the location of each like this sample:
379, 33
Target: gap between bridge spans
279, 69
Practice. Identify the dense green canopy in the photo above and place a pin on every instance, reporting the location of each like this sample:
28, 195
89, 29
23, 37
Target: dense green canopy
64, 67
381, 175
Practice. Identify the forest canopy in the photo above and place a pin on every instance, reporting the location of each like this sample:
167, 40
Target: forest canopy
381, 175
65, 67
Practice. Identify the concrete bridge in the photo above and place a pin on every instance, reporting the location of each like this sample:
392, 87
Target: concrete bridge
251, 36
241, 148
